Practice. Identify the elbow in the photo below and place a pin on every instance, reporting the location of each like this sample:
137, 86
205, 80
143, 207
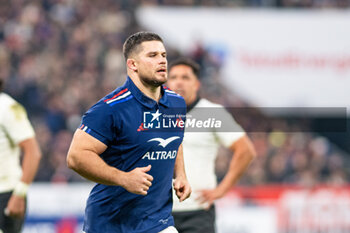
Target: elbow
251, 151
248, 151
71, 164
253, 154
39, 155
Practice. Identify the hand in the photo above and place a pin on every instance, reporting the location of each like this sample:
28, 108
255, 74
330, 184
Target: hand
138, 181
208, 196
16, 207
182, 188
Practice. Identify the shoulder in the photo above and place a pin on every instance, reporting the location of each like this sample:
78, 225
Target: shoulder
174, 98
6, 100
110, 105
108, 102
205, 103
10, 106
119, 95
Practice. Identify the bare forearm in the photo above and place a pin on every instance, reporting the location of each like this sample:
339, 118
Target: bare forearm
243, 156
92, 167
179, 168
238, 165
31, 160
84, 158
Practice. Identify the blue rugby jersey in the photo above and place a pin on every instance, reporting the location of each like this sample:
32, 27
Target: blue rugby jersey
138, 131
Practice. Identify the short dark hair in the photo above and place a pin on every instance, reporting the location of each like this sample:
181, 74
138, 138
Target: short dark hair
187, 62
133, 41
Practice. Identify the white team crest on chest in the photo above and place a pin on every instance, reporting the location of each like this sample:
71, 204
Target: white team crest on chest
164, 142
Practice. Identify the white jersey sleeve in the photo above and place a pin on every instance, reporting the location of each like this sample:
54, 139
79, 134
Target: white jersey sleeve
15, 122
236, 132
14, 128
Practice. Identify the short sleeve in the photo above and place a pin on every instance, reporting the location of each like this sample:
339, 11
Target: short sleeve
98, 121
236, 131
17, 124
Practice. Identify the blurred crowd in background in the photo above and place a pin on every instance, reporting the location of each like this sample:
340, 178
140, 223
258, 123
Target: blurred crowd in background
254, 3
58, 57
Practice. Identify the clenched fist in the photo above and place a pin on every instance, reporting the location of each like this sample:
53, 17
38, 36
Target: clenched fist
138, 181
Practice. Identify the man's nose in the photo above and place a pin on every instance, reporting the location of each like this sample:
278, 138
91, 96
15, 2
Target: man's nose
179, 83
163, 60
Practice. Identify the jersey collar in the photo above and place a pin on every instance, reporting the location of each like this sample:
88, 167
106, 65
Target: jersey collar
191, 106
143, 99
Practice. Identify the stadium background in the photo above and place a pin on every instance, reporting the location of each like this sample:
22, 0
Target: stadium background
59, 56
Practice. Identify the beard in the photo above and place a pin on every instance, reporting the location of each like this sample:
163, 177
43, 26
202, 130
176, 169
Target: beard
152, 80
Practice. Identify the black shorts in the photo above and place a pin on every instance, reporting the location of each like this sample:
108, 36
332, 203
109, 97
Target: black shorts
198, 221
8, 224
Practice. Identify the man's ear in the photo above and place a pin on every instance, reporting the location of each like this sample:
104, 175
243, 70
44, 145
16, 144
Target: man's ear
131, 64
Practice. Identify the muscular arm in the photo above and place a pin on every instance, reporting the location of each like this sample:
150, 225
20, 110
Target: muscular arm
181, 185
31, 159
244, 153
83, 157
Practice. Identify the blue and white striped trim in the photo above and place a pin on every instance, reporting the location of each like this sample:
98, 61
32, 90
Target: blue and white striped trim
122, 100
85, 128
173, 93
170, 91
119, 97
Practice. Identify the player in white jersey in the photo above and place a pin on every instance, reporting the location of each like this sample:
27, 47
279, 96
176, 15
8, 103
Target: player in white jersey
197, 213
16, 136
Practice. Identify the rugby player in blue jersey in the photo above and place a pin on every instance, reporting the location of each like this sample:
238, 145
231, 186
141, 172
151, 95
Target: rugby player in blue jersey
123, 147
